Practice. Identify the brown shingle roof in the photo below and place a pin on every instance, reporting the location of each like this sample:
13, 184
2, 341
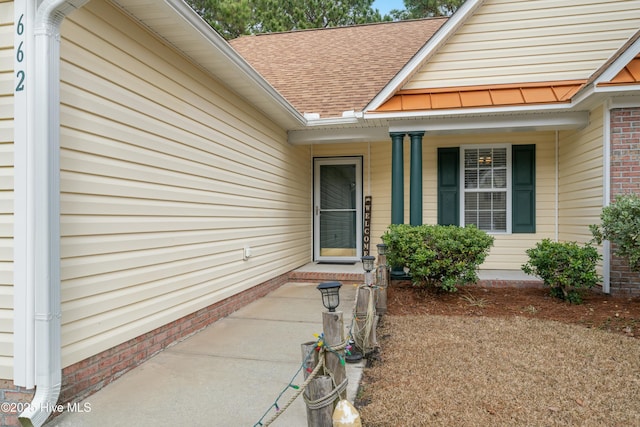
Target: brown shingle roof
329, 71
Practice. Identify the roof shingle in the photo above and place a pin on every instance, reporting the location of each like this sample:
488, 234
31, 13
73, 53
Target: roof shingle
332, 70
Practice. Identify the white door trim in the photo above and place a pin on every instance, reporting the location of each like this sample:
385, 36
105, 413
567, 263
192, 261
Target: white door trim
317, 209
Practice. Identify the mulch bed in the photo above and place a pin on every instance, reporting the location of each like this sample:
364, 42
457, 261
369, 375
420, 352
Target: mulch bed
503, 357
612, 313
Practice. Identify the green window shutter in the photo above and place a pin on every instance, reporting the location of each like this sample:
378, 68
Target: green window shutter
523, 202
448, 186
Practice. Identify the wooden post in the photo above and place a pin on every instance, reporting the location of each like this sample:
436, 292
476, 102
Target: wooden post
373, 335
333, 328
381, 301
382, 273
383, 282
362, 305
318, 388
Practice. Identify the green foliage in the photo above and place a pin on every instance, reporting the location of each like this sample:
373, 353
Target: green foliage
444, 256
565, 267
287, 15
233, 18
621, 226
230, 18
415, 9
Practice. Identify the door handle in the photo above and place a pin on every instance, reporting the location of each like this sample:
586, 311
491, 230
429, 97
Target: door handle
317, 210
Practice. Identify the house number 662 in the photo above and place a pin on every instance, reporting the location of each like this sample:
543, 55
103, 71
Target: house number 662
20, 74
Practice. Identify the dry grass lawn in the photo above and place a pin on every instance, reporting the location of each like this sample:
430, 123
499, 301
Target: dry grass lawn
441, 370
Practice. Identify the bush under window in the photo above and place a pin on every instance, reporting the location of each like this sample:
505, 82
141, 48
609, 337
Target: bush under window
443, 256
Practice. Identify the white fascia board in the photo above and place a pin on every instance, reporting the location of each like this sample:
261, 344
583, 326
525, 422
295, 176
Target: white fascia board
335, 121
429, 48
618, 88
335, 136
625, 102
619, 63
555, 121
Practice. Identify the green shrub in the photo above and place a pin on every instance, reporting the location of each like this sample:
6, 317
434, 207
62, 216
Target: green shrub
621, 226
565, 267
444, 256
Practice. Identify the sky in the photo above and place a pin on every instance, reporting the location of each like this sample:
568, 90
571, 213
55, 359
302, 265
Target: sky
384, 6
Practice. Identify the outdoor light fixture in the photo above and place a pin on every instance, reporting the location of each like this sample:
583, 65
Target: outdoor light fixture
330, 294
382, 249
368, 262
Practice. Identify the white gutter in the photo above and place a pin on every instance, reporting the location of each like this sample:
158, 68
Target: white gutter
46, 179
556, 218
606, 196
560, 120
455, 112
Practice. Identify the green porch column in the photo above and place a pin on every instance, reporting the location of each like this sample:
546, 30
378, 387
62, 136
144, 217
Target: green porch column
397, 178
415, 179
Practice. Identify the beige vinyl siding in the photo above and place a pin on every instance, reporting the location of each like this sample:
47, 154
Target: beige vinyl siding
509, 41
581, 179
165, 176
509, 250
6, 190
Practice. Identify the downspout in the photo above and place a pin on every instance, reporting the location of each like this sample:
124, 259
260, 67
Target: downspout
556, 218
46, 179
606, 196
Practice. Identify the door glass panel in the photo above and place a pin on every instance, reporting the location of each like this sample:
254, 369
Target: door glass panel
338, 190
338, 234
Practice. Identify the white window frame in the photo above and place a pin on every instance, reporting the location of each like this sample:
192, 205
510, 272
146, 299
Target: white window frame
509, 189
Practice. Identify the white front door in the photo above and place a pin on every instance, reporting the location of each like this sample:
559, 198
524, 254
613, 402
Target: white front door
337, 209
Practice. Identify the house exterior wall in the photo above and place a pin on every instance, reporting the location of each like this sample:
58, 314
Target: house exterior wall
581, 179
509, 249
625, 179
508, 41
165, 177
6, 190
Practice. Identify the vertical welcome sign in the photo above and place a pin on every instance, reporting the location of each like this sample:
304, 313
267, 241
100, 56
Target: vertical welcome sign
366, 238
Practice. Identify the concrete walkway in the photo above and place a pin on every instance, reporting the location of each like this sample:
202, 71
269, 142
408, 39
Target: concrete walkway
227, 375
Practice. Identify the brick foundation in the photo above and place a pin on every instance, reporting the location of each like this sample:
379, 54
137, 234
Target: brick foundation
625, 179
345, 278
14, 396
